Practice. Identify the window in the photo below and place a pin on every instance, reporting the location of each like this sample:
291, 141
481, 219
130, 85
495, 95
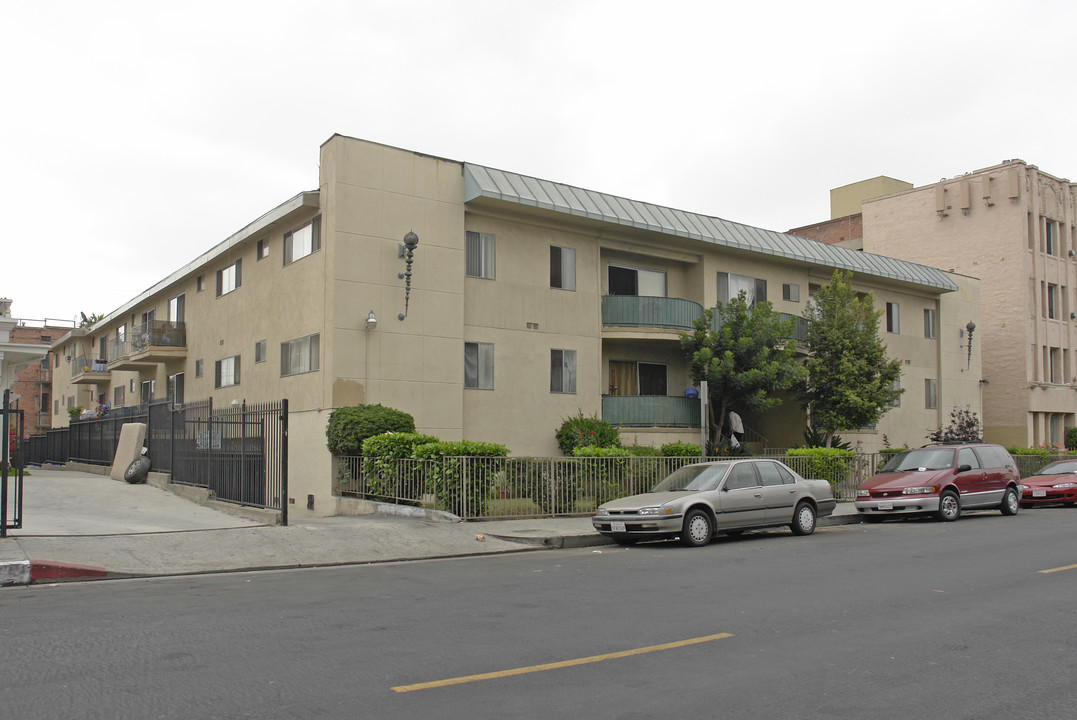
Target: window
56, 356
149, 316
628, 377
774, 474
118, 398
480, 255
302, 241
230, 278
652, 379
198, 368
562, 268
260, 351
148, 388
299, 355
965, 456
56, 406
1052, 301
121, 334
263, 250
896, 402
929, 323
176, 310
742, 476
44, 402
893, 318
931, 393
790, 292
199, 284
1055, 365
563, 371
635, 281
1049, 236
226, 372
479, 366
102, 348
731, 285
175, 389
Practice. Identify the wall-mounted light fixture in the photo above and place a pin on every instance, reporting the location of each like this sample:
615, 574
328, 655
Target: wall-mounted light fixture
970, 327
371, 320
411, 241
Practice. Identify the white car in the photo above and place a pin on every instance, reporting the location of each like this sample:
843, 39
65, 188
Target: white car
698, 502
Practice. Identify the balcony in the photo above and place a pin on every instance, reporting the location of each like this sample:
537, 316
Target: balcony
639, 311
650, 411
85, 371
149, 344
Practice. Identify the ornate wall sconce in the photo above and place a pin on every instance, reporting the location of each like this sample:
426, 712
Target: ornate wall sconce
407, 250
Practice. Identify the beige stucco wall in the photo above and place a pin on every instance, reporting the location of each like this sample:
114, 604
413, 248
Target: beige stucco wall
846, 200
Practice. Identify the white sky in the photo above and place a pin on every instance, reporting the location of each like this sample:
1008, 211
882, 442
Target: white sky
136, 135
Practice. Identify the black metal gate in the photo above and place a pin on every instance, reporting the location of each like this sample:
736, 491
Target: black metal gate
11, 464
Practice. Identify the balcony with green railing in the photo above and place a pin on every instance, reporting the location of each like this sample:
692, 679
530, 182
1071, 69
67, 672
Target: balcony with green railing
651, 411
649, 312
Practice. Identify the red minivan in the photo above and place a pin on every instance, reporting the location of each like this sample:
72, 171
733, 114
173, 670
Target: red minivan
942, 480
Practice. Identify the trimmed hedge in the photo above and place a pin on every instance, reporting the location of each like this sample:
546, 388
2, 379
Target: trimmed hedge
580, 431
680, 449
830, 464
348, 427
447, 473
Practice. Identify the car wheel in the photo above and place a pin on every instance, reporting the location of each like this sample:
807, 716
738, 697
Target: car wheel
803, 519
1010, 502
698, 528
137, 471
949, 506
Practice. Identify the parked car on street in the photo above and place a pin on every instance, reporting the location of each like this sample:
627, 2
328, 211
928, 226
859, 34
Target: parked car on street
700, 501
1053, 483
943, 480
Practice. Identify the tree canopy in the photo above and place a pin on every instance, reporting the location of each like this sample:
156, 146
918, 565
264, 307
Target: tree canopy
747, 361
850, 381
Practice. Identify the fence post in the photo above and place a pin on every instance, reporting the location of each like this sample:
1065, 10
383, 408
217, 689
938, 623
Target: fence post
5, 427
209, 446
243, 450
284, 462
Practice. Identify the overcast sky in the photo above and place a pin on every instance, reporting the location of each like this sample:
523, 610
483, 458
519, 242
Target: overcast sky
136, 135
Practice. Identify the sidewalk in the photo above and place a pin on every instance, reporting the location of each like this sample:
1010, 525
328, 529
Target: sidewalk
83, 526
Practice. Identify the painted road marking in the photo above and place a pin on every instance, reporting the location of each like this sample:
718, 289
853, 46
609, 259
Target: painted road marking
557, 665
1060, 569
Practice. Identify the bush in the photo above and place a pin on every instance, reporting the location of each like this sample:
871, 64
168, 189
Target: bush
580, 431
830, 464
680, 449
1071, 438
447, 474
380, 456
644, 451
349, 426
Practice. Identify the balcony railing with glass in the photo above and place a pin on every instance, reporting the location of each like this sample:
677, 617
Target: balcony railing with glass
150, 343
89, 371
650, 411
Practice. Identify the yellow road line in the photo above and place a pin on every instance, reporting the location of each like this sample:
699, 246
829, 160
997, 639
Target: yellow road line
1054, 570
557, 665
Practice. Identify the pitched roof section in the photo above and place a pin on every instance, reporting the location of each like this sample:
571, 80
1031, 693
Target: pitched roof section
480, 181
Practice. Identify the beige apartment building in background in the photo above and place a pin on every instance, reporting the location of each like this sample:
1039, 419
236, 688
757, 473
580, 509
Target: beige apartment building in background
525, 302
1014, 227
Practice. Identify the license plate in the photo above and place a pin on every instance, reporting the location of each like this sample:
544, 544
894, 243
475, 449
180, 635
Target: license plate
617, 526
885, 506
1039, 493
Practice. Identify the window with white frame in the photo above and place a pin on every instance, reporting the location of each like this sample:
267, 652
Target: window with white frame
562, 268
893, 318
198, 368
176, 309
929, 323
175, 389
299, 356
226, 372
262, 251
479, 366
229, 278
563, 371
931, 393
260, 351
730, 286
624, 280
790, 292
302, 241
149, 387
480, 255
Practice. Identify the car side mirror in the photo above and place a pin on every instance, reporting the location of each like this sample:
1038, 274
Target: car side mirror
963, 468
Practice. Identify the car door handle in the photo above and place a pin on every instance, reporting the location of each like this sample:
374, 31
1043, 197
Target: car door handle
759, 495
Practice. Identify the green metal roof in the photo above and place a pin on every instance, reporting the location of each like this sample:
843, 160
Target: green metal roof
480, 181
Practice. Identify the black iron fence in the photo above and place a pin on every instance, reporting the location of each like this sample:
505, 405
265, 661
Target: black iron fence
11, 464
239, 452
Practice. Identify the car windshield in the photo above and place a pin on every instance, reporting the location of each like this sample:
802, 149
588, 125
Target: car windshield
922, 459
1062, 468
693, 477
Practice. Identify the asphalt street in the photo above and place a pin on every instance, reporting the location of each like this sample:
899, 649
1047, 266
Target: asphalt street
909, 619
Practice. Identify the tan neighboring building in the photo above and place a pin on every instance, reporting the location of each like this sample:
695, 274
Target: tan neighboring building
525, 302
1015, 228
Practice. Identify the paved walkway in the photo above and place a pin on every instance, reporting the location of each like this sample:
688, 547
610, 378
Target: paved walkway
82, 526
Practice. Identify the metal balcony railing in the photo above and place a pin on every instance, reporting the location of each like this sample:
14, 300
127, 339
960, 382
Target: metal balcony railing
650, 411
157, 333
652, 312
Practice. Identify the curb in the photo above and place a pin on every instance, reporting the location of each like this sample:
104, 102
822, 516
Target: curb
15, 573
49, 571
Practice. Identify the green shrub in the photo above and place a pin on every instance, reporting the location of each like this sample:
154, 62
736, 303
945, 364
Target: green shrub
447, 474
380, 456
830, 464
582, 431
644, 451
348, 427
680, 449
1071, 438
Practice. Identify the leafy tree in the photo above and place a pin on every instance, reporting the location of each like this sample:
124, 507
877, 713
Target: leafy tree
90, 321
964, 427
850, 381
746, 362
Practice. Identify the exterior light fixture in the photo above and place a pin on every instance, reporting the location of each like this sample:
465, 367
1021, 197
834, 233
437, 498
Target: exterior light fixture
371, 320
411, 241
970, 327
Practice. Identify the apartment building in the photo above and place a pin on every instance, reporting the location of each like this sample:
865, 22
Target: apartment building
1014, 227
515, 302
24, 367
